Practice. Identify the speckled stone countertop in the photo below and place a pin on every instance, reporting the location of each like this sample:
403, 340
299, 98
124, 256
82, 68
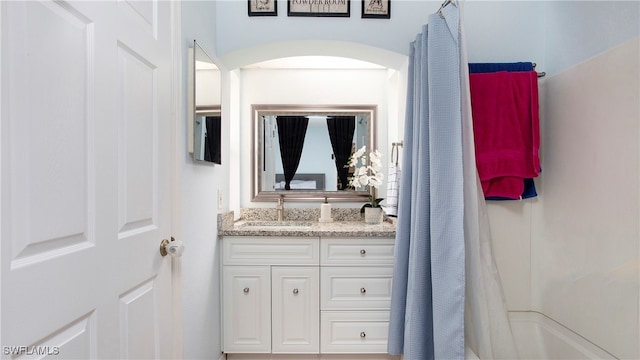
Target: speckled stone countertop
302, 222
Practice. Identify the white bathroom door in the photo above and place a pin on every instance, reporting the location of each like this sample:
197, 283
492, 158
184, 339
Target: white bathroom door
85, 179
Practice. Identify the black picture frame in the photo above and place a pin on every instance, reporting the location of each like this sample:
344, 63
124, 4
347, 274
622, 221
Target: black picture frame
262, 7
376, 9
319, 8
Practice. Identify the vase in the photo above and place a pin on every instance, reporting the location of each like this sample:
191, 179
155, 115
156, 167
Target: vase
373, 215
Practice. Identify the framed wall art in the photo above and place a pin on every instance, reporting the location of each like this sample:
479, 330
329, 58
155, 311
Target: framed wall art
263, 7
326, 8
376, 9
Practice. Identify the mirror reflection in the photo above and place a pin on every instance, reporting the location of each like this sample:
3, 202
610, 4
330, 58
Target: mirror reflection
301, 151
207, 122
207, 135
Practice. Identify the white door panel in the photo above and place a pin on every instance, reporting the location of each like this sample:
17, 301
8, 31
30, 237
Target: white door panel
138, 324
85, 173
48, 158
136, 143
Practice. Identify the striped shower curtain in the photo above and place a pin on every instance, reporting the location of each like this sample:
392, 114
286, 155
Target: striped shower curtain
443, 261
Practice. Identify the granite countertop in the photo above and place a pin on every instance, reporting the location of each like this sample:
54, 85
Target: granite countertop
301, 223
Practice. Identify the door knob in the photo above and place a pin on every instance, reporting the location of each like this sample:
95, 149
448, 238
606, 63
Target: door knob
173, 247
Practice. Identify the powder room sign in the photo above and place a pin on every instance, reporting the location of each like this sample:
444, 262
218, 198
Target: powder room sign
329, 8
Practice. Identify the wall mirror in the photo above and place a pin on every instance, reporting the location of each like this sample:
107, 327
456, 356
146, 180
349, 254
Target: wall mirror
300, 151
207, 116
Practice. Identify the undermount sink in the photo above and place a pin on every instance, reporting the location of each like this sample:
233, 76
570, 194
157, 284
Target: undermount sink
278, 224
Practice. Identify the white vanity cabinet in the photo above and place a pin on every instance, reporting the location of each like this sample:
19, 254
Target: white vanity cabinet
317, 297
270, 295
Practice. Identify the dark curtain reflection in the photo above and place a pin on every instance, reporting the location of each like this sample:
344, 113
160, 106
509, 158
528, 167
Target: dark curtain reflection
291, 133
212, 140
341, 129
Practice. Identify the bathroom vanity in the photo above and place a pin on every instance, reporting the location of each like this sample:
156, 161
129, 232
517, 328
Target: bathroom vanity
308, 289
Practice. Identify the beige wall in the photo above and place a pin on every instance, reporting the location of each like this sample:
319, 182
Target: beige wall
586, 228
573, 253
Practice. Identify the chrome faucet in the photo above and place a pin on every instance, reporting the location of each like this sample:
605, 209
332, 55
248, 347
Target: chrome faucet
280, 208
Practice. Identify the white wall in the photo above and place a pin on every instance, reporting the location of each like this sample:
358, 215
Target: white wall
306, 87
237, 31
579, 30
199, 208
244, 40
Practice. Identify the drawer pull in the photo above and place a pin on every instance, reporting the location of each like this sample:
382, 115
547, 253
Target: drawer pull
363, 290
245, 290
363, 251
295, 291
362, 334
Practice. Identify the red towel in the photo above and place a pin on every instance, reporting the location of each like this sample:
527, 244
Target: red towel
506, 130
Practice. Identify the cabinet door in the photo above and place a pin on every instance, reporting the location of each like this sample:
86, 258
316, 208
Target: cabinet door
295, 310
246, 309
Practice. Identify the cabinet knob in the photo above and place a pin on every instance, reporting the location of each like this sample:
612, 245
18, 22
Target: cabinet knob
363, 290
295, 291
363, 251
362, 334
246, 290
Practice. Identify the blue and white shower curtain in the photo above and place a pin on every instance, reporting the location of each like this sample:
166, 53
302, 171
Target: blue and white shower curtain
443, 262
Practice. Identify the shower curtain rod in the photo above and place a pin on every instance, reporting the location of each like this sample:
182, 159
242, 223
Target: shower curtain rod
447, 2
444, 4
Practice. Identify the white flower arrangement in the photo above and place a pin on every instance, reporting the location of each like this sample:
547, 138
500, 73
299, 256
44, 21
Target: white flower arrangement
367, 173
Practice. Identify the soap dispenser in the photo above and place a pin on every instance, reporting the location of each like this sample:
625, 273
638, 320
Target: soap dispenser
325, 212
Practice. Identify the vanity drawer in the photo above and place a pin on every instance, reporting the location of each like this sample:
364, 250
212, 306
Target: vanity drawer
357, 252
247, 250
354, 332
356, 288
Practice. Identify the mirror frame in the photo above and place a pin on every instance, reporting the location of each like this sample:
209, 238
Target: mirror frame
298, 110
